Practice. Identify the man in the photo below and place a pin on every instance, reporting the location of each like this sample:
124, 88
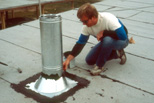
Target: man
109, 31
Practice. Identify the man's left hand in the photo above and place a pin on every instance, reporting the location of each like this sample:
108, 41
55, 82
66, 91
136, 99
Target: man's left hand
100, 35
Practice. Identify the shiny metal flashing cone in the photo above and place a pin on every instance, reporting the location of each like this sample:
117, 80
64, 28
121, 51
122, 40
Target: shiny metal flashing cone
50, 87
51, 82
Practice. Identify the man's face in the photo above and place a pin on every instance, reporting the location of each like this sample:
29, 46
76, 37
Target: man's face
86, 21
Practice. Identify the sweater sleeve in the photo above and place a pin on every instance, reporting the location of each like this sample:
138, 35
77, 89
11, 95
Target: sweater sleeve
121, 32
83, 39
79, 45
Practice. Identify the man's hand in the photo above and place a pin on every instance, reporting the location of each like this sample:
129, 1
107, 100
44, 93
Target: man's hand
67, 61
100, 35
65, 64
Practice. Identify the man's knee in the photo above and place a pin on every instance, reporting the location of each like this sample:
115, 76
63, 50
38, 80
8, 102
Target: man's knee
107, 41
89, 62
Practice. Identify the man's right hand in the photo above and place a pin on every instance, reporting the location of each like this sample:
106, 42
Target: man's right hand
67, 61
65, 64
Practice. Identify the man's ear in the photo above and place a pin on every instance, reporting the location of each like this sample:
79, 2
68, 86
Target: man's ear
94, 19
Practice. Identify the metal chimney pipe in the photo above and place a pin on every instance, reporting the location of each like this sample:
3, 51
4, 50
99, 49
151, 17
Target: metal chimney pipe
51, 82
51, 44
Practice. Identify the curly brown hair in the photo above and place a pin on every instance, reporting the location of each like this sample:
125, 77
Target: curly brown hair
88, 10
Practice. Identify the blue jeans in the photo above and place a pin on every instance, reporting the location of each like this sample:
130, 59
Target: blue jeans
105, 50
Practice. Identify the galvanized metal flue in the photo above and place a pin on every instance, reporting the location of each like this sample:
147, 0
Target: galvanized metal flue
51, 82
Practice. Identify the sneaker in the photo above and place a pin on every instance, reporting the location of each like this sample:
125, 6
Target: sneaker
96, 70
122, 56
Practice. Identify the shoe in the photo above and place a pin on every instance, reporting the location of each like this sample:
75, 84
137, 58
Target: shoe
96, 70
121, 54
